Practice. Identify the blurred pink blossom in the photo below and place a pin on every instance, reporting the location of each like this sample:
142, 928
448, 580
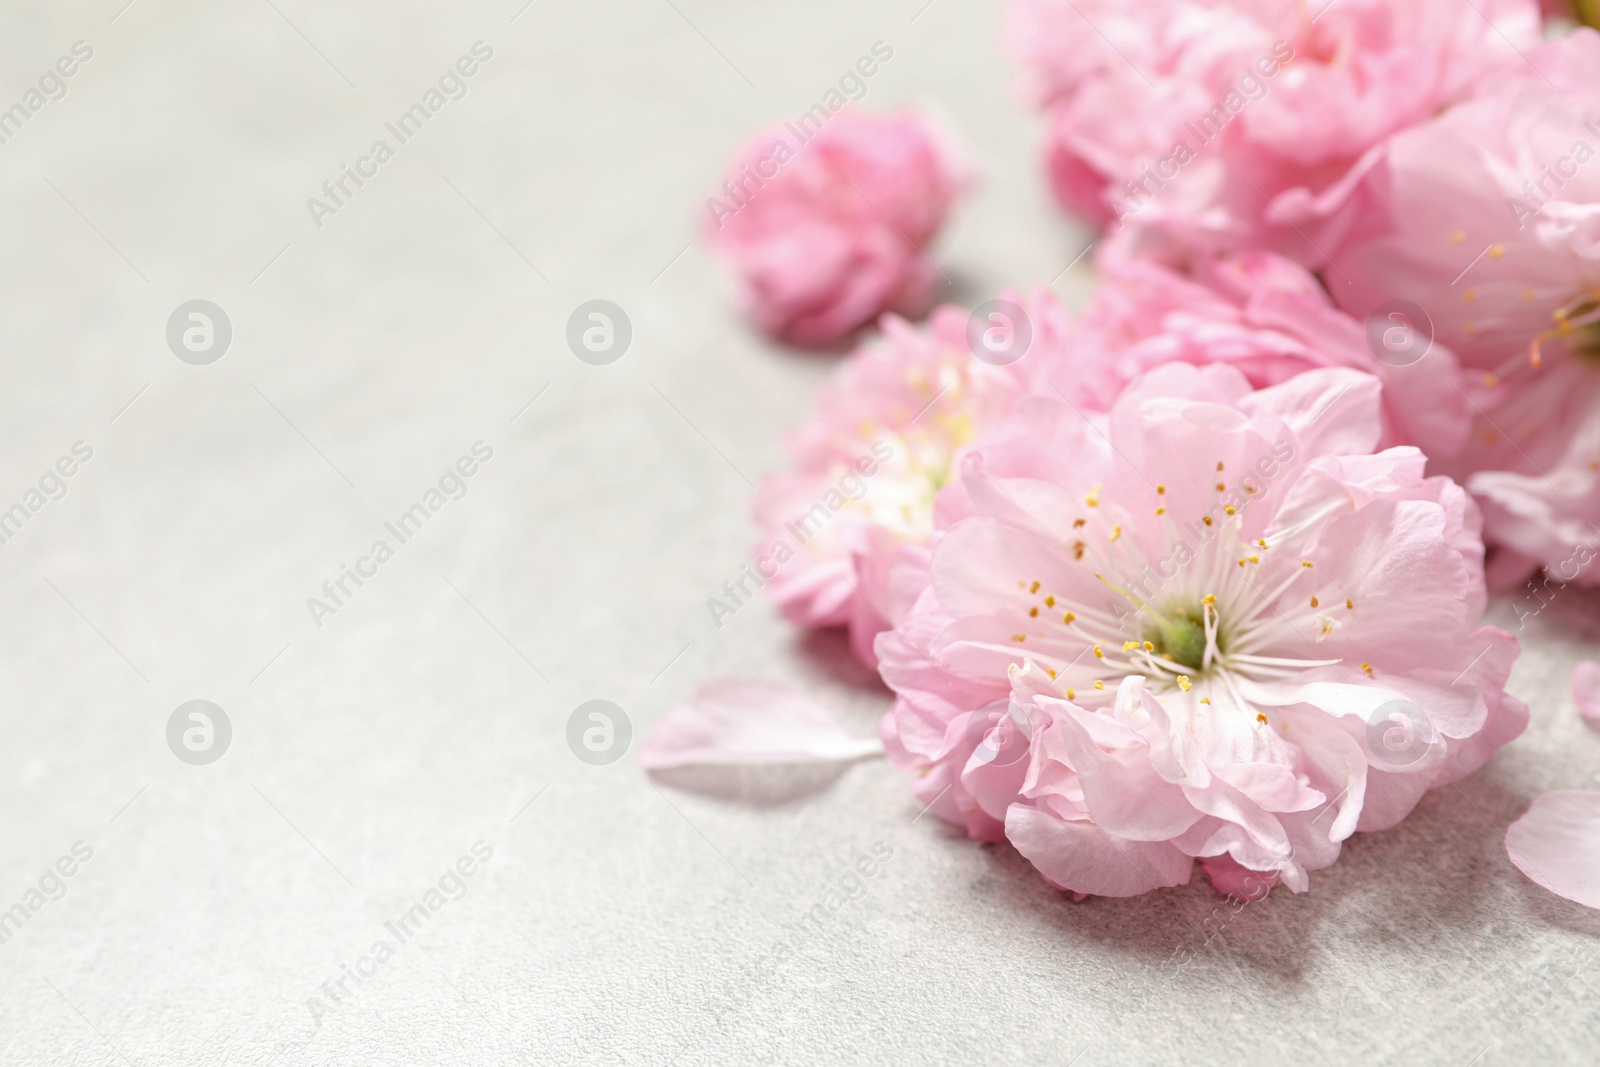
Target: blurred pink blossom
827, 223
1212, 125
888, 431
1263, 315
1492, 233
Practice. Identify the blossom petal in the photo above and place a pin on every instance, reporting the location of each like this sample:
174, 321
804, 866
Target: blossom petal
1232, 879
1586, 689
1121, 790
1079, 856
1332, 411
1556, 843
743, 721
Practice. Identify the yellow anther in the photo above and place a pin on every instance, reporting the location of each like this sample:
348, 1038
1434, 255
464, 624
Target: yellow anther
1366, 669
1314, 601
1209, 598
1098, 684
1230, 509
1349, 605
1098, 654
1067, 618
1184, 683
1033, 613
1019, 638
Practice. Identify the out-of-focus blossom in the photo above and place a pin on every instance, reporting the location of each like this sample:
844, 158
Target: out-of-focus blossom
1211, 623
1209, 125
1263, 315
828, 227
887, 433
1492, 239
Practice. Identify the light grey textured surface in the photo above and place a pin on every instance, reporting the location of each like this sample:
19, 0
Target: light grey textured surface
615, 922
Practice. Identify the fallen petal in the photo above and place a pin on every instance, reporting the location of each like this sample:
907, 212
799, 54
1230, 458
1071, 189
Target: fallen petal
744, 721
1586, 689
1557, 844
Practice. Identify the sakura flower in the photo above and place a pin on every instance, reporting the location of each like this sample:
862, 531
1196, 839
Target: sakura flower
1211, 623
888, 431
1493, 233
1267, 317
828, 227
1210, 125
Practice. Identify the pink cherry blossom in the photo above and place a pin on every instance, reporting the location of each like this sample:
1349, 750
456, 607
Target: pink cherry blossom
1212, 125
827, 228
1263, 315
1492, 230
888, 430
1208, 623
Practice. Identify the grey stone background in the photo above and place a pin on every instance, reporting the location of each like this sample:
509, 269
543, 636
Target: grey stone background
618, 920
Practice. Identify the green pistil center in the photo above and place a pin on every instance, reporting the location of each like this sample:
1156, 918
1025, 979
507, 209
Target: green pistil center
1180, 636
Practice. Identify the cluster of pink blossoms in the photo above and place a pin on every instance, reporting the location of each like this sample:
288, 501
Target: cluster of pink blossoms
1198, 573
